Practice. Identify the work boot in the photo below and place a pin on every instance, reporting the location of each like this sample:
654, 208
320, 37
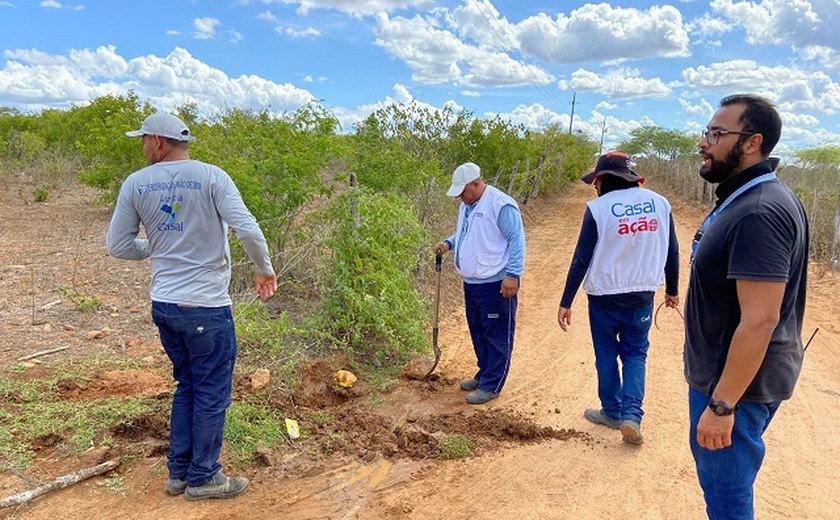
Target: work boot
219, 486
631, 432
175, 486
599, 417
469, 385
480, 396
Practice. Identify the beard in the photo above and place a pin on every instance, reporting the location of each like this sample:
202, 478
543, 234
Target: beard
719, 171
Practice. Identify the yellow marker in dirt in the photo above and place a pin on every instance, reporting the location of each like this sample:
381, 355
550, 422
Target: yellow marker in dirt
345, 378
292, 429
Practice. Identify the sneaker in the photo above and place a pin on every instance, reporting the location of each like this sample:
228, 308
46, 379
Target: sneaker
480, 396
631, 432
599, 417
219, 486
469, 385
175, 486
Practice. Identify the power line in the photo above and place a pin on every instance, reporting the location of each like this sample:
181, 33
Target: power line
510, 41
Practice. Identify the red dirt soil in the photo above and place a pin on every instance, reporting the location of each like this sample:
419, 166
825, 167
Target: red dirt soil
535, 455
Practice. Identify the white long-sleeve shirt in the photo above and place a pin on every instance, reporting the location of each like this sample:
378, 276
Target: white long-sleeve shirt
185, 208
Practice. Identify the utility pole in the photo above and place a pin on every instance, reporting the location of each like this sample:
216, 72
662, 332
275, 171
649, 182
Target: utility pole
572, 118
603, 131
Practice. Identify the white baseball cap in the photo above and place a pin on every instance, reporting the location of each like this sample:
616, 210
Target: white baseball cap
164, 125
463, 175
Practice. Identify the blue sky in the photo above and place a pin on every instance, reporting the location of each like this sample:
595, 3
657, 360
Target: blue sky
628, 63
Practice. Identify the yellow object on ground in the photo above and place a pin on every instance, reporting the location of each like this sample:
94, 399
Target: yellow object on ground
345, 378
292, 428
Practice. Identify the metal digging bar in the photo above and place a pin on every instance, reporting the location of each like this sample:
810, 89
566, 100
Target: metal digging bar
435, 328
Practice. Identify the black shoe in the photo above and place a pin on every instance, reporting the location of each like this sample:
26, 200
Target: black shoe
469, 385
219, 486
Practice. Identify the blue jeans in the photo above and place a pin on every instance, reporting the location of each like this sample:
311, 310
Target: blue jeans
201, 343
727, 475
620, 334
492, 322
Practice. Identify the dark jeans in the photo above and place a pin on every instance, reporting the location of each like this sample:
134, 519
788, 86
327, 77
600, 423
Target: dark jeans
201, 343
492, 321
727, 475
621, 334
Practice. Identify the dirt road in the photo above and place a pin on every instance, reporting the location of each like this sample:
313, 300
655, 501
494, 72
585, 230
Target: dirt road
588, 476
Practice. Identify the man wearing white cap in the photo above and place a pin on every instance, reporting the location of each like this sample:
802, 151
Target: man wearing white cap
489, 246
185, 207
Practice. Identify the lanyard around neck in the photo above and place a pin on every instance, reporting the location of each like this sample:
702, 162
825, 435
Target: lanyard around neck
729, 200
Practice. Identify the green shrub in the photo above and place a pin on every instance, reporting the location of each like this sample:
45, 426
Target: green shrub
83, 303
42, 192
273, 342
455, 447
248, 427
370, 300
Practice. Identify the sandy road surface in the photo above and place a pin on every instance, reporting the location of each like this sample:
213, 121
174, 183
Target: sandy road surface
552, 380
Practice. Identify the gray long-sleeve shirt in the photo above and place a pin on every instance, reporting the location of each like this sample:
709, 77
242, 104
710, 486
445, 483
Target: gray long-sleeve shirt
185, 208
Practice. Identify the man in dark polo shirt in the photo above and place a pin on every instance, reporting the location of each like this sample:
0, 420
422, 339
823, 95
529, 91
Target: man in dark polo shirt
745, 303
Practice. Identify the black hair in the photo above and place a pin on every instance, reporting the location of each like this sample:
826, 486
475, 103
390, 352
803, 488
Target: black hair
611, 183
759, 117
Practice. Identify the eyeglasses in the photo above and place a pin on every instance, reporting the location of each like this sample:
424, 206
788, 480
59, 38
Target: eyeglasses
713, 136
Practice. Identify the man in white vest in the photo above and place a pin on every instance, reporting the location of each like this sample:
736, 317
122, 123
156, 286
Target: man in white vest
626, 249
489, 246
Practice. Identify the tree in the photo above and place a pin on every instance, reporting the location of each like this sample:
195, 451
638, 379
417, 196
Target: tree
820, 157
653, 141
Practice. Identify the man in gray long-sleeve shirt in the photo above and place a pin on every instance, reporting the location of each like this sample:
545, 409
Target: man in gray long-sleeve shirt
185, 207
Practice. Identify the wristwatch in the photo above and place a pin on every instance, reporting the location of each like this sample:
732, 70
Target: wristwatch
720, 408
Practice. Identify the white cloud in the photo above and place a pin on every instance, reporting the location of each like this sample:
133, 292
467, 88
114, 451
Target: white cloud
800, 23
402, 95
603, 105
592, 32
173, 32
31, 76
799, 120
790, 88
829, 58
205, 28
480, 21
707, 28
235, 36
470, 93
6, 4
616, 84
355, 8
32, 79
438, 56
309, 78
291, 32
52, 4
599, 32
537, 117
268, 16
707, 25
703, 108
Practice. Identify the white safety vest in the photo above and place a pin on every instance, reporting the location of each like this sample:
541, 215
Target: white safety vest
481, 247
633, 235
